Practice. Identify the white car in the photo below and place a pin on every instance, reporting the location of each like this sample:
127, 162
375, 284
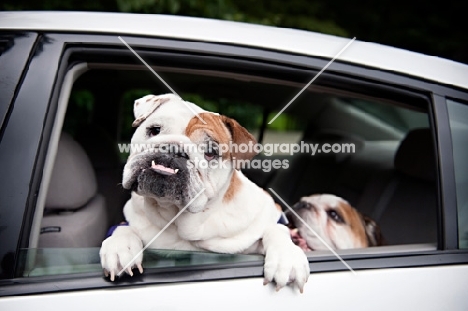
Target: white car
68, 81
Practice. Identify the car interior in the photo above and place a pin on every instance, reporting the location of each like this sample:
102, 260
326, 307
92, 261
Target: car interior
390, 176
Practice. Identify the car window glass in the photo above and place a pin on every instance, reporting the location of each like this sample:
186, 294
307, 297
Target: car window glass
398, 117
458, 113
55, 261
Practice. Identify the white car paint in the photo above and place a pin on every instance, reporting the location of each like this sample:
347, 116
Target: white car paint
210, 30
434, 288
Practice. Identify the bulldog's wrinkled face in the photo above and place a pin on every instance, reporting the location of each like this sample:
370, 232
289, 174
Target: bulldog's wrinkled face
336, 222
176, 154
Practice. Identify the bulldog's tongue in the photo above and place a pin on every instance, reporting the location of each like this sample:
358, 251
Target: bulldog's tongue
298, 239
161, 169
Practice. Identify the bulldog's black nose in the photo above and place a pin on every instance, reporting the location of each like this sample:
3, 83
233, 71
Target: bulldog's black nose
181, 154
174, 150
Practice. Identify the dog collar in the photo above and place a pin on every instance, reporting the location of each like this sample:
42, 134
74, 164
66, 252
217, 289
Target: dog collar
283, 220
112, 229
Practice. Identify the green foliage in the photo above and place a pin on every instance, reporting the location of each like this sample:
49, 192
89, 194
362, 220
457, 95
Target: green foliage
294, 14
197, 99
79, 111
247, 114
128, 98
65, 5
284, 122
416, 25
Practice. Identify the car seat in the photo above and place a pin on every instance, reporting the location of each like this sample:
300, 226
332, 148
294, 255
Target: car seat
75, 214
404, 202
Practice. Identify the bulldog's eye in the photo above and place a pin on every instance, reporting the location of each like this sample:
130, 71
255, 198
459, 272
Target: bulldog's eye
335, 216
211, 152
210, 155
154, 130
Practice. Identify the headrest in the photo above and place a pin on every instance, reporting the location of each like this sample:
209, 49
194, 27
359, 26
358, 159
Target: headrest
73, 182
415, 155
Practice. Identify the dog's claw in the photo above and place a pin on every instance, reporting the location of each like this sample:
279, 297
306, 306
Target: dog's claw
265, 281
140, 268
112, 276
129, 271
278, 288
106, 273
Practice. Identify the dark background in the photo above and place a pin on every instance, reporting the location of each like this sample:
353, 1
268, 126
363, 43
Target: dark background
438, 29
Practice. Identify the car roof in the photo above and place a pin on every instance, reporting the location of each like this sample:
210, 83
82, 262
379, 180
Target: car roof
266, 37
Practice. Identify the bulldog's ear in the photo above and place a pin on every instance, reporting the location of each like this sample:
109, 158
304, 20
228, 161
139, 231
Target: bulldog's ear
373, 233
240, 135
145, 106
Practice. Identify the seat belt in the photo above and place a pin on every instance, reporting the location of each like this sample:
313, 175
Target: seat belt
384, 199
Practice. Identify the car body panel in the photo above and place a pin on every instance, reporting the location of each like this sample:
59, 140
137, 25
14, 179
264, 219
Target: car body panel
441, 288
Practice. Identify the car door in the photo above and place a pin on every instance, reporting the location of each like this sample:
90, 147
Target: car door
84, 84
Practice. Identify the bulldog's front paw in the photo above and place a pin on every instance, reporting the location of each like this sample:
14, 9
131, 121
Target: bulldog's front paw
121, 249
284, 262
286, 265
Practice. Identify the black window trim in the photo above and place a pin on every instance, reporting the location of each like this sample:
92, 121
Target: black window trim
17, 193
14, 67
448, 211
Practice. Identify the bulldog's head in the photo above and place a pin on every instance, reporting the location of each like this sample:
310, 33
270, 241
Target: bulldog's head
175, 154
336, 222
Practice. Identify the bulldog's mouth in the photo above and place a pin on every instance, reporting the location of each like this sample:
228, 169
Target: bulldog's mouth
297, 238
163, 170
160, 175
294, 232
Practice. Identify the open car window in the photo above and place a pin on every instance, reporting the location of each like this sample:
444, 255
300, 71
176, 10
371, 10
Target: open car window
366, 151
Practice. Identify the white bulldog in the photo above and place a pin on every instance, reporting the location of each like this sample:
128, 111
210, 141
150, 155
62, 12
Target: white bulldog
179, 165
337, 223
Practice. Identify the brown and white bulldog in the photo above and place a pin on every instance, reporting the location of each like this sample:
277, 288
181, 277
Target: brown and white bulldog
178, 164
332, 218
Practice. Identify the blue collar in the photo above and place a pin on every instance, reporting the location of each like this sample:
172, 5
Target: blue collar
283, 220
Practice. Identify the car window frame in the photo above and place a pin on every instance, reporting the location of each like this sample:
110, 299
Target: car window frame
57, 48
14, 66
17, 196
451, 101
